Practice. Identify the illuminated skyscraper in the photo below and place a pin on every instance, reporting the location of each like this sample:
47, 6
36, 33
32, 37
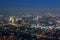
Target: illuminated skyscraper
11, 20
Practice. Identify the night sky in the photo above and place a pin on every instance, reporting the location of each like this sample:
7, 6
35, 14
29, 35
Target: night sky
18, 7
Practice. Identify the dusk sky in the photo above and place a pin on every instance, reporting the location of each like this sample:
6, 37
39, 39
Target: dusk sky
17, 7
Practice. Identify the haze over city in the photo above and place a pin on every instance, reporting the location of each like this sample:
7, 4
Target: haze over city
18, 7
29, 19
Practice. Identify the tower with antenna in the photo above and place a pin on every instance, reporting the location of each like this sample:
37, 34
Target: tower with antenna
49, 14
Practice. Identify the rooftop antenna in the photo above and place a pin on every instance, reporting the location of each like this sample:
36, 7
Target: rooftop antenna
49, 14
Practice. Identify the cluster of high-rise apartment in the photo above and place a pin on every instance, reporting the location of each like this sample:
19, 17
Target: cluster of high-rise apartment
34, 21
29, 27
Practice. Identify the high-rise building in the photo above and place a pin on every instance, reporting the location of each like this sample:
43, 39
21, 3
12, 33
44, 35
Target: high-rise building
11, 20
